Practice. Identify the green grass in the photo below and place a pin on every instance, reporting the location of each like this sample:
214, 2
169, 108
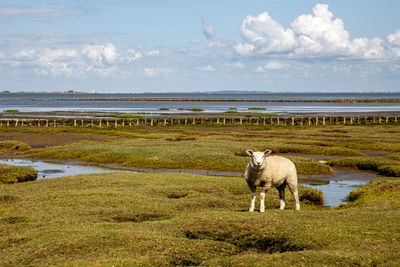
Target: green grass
163, 109
383, 166
197, 152
194, 109
11, 111
257, 108
14, 145
130, 115
15, 174
180, 219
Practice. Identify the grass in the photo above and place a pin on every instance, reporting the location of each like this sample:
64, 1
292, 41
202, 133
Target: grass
180, 219
163, 109
195, 109
15, 174
14, 145
257, 108
130, 115
11, 111
383, 166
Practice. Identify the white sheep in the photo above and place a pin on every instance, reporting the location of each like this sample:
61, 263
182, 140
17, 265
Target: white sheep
266, 171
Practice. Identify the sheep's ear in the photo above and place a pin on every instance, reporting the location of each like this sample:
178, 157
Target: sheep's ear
267, 152
249, 152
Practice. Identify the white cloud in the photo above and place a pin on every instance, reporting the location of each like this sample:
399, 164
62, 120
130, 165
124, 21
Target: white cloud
272, 65
196, 41
267, 35
101, 54
317, 35
156, 72
208, 30
207, 68
41, 12
102, 60
276, 65
153, 53
394, 42
238, 65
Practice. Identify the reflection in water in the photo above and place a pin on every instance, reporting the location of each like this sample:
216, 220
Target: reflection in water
55, 170
335, 188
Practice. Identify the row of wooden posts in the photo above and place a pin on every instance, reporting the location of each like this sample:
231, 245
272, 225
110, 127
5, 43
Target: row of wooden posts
284, 121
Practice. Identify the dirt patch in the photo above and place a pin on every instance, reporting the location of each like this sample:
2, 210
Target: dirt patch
42, 140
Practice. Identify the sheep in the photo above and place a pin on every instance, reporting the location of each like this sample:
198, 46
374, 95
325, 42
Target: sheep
266, 171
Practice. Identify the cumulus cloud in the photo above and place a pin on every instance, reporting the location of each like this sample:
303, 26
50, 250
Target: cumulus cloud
207, 68
316, 35
41, 12
272, 65
208, 30
153, 53
102, 60
394, 42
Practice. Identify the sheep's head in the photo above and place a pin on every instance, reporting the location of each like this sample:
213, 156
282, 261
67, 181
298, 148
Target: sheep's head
258, 158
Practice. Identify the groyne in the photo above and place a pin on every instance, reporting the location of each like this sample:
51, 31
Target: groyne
165, 121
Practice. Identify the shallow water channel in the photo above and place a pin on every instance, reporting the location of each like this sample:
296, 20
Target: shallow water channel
335, 188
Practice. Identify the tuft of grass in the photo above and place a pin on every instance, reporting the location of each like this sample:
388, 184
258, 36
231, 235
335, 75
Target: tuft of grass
257, 108
195, 109
15, 174
383, 166
163, 109
11, 111
130, 115
14, 145
181, 138
311, 196
231, 111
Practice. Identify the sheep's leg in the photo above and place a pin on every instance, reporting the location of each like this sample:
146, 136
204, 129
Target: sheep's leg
262, 199
293, 189
253, 200
253, 195
281, 190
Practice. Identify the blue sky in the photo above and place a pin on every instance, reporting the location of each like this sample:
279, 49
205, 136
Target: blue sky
183, 46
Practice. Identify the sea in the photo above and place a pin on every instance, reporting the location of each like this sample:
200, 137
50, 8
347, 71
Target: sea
50, 102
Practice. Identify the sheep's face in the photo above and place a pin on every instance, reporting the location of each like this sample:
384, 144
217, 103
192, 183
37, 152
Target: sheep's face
258, 158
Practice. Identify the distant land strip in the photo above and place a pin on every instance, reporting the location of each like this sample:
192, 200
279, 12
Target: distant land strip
394, 100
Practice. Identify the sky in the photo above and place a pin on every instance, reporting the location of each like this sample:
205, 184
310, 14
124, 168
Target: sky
131, 46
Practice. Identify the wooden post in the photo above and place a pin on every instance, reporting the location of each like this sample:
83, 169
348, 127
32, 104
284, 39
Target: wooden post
387, 119
278, 120
323, 121
309, 121
151, 122
351, 120
38, 123
194, 121
172, 121
344, 120
186, 121
292, 121
395, 119
241, 121
316, 120
224, 121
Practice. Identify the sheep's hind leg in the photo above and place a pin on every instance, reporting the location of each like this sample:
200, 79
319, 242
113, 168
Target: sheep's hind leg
281, 190
295, 192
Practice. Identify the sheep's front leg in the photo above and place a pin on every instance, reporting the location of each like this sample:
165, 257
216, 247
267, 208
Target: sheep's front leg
253, 200
262, 199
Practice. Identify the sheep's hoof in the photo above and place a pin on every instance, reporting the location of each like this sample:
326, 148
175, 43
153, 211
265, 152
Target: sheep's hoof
251, 210
262, 210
